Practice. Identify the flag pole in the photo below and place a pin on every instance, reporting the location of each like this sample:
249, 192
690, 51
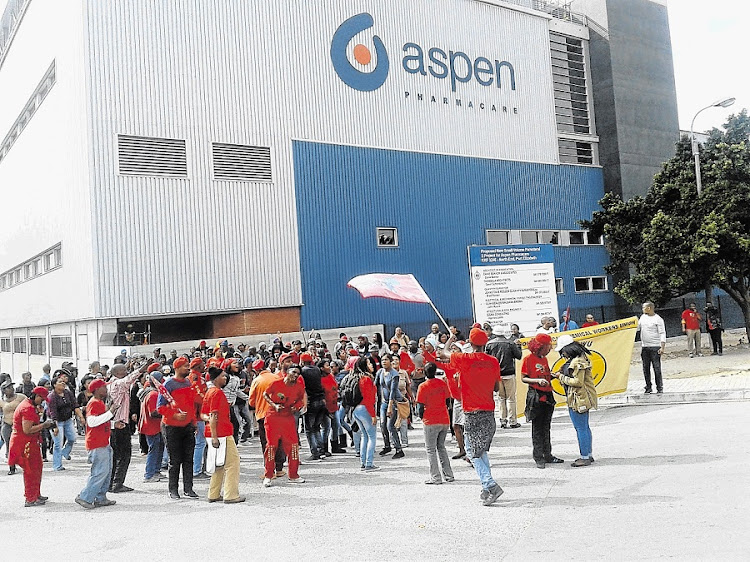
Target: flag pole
440, 316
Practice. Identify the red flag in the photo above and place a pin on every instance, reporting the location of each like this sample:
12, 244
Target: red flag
162, 391
406, 363
389, 286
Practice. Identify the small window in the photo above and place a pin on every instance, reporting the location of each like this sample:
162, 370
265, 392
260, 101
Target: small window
559, 286
549, 237
498, 237
62, 346
37, 346
594, 240
577, 237
529, 237
19, 345
387, 237
5, 345
590, 284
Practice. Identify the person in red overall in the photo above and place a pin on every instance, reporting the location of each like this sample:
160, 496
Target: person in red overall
25, 444
285, 397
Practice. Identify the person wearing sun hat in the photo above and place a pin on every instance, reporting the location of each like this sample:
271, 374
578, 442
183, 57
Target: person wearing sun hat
540, 400
25, 444
98, 431
478, 380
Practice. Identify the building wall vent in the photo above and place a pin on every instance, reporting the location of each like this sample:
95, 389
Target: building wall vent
235, 162
576, 152
148, 156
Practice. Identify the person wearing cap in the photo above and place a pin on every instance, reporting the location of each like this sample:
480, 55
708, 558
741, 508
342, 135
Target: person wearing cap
197, 379
580, 391
341, 344
120, 439
540, 400
179, 420
285, 397
149, 425
25, 450
316, 408
10, 402
255, 400
478, 379
215, 413
98, 431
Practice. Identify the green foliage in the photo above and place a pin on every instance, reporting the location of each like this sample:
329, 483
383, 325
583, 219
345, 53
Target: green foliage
674, 241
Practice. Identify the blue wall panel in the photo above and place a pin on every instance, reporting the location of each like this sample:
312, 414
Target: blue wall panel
440, 205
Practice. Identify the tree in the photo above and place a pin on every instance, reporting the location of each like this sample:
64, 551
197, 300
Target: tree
674, 241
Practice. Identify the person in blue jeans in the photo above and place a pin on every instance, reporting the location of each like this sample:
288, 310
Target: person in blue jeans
364, 413
62, 406
580, 391
98, 431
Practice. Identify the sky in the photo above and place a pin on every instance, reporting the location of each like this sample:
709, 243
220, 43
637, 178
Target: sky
709, 48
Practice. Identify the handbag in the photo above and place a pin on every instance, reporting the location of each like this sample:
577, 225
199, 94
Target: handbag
581, 402
216, 457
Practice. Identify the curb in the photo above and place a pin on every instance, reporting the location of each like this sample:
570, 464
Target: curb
679, 398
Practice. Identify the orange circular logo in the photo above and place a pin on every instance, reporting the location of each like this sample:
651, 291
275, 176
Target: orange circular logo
598, 370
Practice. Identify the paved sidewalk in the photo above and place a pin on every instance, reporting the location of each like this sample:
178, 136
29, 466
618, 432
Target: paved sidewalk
696, 379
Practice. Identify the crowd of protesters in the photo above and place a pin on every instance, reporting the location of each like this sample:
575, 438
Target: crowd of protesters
191, 410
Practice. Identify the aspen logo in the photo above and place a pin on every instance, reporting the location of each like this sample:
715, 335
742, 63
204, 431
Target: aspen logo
374, 73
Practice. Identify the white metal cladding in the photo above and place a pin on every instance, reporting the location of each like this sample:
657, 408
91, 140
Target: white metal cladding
259, 73
201, 71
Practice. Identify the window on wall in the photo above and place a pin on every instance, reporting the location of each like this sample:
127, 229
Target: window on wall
498, 237
5, 345
37, 346
19, 345
387, 237
581, 237
590, 284
540, 237
559, 286
62, 346
47, 261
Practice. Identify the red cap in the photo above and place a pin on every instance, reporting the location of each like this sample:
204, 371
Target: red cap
151, 368
476, 325
284, 357
202, 344
40, 391
477, 336
196, 361
306, 358
96, 384
179, 362
226, 364
353, 352
258, 365
543, 338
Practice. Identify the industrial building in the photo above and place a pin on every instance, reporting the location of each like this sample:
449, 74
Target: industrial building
217, 168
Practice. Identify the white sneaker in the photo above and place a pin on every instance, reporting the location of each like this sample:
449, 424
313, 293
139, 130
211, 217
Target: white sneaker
298, 480
267, 482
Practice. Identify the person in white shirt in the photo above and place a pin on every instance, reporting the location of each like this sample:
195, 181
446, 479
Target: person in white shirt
548, 325
653, 340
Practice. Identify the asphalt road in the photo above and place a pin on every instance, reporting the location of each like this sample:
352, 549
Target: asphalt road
668, 482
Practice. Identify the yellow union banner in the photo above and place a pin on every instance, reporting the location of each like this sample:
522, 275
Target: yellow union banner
611, 347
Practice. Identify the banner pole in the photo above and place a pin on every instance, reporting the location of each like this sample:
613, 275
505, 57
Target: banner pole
440, 316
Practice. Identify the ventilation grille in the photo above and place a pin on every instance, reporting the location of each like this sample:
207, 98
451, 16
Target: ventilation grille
235, 162
569, 79
146, 156
576, 152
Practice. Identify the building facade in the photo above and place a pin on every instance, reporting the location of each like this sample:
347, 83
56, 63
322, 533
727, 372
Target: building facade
203, 168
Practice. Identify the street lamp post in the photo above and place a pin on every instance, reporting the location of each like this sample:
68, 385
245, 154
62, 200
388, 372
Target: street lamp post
696, 147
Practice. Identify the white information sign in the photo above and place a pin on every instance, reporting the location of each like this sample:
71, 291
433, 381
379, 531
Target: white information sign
513, 285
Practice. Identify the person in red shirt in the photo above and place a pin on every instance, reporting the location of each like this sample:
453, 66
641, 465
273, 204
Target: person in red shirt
179, 421
215, 413
285, 397
149, 425
25, 444
478, 380
433, 394
540, 401
364, 412
331, 391
589, 321
255, 400
691, 326
97, 444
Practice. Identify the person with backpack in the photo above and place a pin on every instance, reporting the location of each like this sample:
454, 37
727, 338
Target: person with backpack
363, 397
